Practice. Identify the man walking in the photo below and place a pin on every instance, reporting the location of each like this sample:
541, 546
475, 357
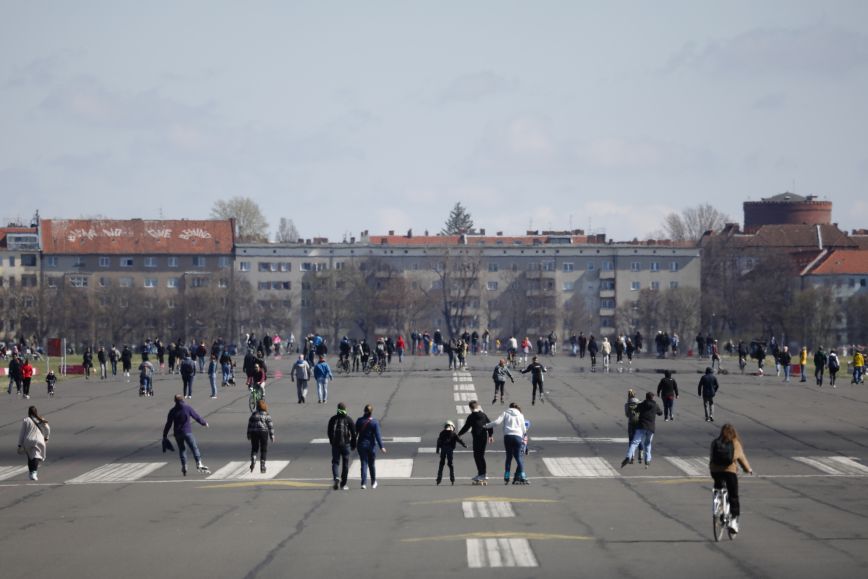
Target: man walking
648, 411
819, 365
785, 360
708, 389
301, 374
342, 437
188, 371
475, 423
322, 374
179, 419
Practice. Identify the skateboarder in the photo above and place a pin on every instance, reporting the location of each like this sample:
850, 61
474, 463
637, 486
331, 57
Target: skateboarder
481, 437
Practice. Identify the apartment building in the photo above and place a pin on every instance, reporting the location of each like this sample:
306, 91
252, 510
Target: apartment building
19, 281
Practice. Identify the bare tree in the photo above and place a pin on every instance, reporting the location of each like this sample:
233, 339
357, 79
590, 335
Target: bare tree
250, 223
458, 288
286, 231
693, 222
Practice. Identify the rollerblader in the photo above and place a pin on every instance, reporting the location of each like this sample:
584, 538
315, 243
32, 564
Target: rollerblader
445, 448
475, 423
536, 378
179, 420
500, 374
514, 432
260, 430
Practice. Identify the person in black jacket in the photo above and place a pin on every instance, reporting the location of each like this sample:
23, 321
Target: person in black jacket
475, 423
707, 389
667, 390
342, 437
644, 434
126, 361
445, 447
536, 378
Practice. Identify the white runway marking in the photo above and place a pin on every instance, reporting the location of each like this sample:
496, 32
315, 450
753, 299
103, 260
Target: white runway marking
463, 379
386, 439
462, 409
240, 470
487, 509
387, 468
464, 387
838, 465
7, 472
500, 553
464, 396
117, 472
432, 450
579, 439
580, 467
693, 466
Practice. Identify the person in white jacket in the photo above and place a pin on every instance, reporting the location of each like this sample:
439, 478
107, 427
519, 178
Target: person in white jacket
31, 440
606, 350
514, 435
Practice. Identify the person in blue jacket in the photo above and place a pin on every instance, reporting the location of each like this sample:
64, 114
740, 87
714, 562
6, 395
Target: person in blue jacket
179, 419
369, 439
322, 374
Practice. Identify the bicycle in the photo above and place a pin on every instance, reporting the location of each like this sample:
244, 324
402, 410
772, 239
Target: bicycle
343, 366
257, 393
720, 513
374, 366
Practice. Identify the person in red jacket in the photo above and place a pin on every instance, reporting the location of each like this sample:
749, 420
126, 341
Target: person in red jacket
400, 346
26, 375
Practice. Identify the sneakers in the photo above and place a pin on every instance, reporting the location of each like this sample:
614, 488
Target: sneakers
336, 485
184, 469
647, 463
624, 462
374, 485
364, 486
34, 475
733, 525
345, 487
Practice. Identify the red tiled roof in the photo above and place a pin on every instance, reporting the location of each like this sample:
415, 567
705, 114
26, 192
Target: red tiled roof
4, 231
794, 236
137, 236
843, 262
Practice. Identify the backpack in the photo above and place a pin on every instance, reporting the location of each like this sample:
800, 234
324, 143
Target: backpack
833, 363
342, 433
633, 413
722, 453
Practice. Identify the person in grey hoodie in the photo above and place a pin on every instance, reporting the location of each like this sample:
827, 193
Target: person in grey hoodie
500, 374
514, 434
301, 374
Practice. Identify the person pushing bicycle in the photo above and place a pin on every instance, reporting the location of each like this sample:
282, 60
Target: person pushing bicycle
726, 456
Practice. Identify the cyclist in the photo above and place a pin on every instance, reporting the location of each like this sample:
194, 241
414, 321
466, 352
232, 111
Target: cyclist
258, 380
381, 352
727, 448
366, 353
344, 348
511, 349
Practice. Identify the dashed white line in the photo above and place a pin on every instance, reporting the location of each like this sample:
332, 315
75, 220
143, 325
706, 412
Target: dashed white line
499, 553
386, 440
117, 472
7, 472
838, 465
387, 468
580, 467
464, 396
240, 470
487, 509
464, 387
462, 409
691, 466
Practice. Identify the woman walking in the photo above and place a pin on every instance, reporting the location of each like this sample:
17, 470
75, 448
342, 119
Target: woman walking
212, 375
26, 376
32, 440
260, 430
514, 433
667, 390
369, 439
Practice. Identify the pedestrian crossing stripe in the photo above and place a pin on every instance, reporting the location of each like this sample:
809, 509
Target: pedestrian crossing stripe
117, 472
387, 467
386, 440
7, 472
462, 409
500, 553
580, 467
465, 387
579, 439
691, 466
240, 470
464, 396
836, 465
487, 509
463, 379
433, 450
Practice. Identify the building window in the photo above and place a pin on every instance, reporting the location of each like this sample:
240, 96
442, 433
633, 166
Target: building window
608, 266
264, 266
590, 266
51, 261
127, 262
11, 261
104, 261
655, 266
491, 286
223, 262
223, 283
198, 261
568, 267
607, 304
673, 266
862, 282
104, 282
150, 282
264, 285
569, 286
655, 285
125, 282
28, 260
150, 262
492, 267
173, 262
635, 266
51, 282
172, 282
199, 282
170, 304
635, 286
606, 322
548, 266
306, 266
28, 281
243, 266
607, 284
339, 265
673, 285
78, 280
287, 266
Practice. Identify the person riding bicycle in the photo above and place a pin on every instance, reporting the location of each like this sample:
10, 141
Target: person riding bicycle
344, 349
511, 349
726, 456
258, 379
380, 349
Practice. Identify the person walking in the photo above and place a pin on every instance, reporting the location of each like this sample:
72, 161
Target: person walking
87, 362
301, 374
26, 377
727, 454
179, 420
102, 358
188, 372
631, 411
126, 361
648, 411
500, 374
369, 439
536, 379
803, 363
322, 373
820, 361
858, 367
785, 359
592, 352
114, 355
481, 436
514, 433
15, 374
260, 430
606, 351
146, 377
708, 389
667, 390
33, 440
446, 448
212, 375
342, 438
834, 365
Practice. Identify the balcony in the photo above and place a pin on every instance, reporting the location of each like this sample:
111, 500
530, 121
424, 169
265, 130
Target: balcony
607, 312
607, 293
607, 274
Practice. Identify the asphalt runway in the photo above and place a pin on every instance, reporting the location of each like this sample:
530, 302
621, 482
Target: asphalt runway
109, 502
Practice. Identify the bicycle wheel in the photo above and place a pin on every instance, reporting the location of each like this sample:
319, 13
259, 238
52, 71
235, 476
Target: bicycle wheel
368, 369
254, 398
718, 524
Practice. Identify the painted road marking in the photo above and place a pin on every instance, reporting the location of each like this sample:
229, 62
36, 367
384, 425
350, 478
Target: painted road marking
583, 439
464, 387
487, 509
240, 470
118, 472
462, 409
500, 553
694, 466
386, 439
388, 467
463, 379
7, 472
838, 465
464, 396
433, 450
580, 467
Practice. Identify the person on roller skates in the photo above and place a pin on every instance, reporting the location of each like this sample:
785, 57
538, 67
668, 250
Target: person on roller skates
514, 433
445, 448
481, 437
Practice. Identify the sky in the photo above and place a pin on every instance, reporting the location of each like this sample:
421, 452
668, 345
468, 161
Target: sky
381, 115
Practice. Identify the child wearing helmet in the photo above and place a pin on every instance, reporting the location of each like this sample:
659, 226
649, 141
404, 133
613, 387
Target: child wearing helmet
445, 448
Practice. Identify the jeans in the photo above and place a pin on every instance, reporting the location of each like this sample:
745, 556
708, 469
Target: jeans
341, 455
103, 373
668, 407
641, 437
183, 439
802, 372
708, 405
787, 371
446, 458
301, 387
227, 372
145, 384
513, 444
114, 367
498, 387
322, 390
212, 378
857, 374
368, 458
730, 479
188, 384
479, 456
201, 360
